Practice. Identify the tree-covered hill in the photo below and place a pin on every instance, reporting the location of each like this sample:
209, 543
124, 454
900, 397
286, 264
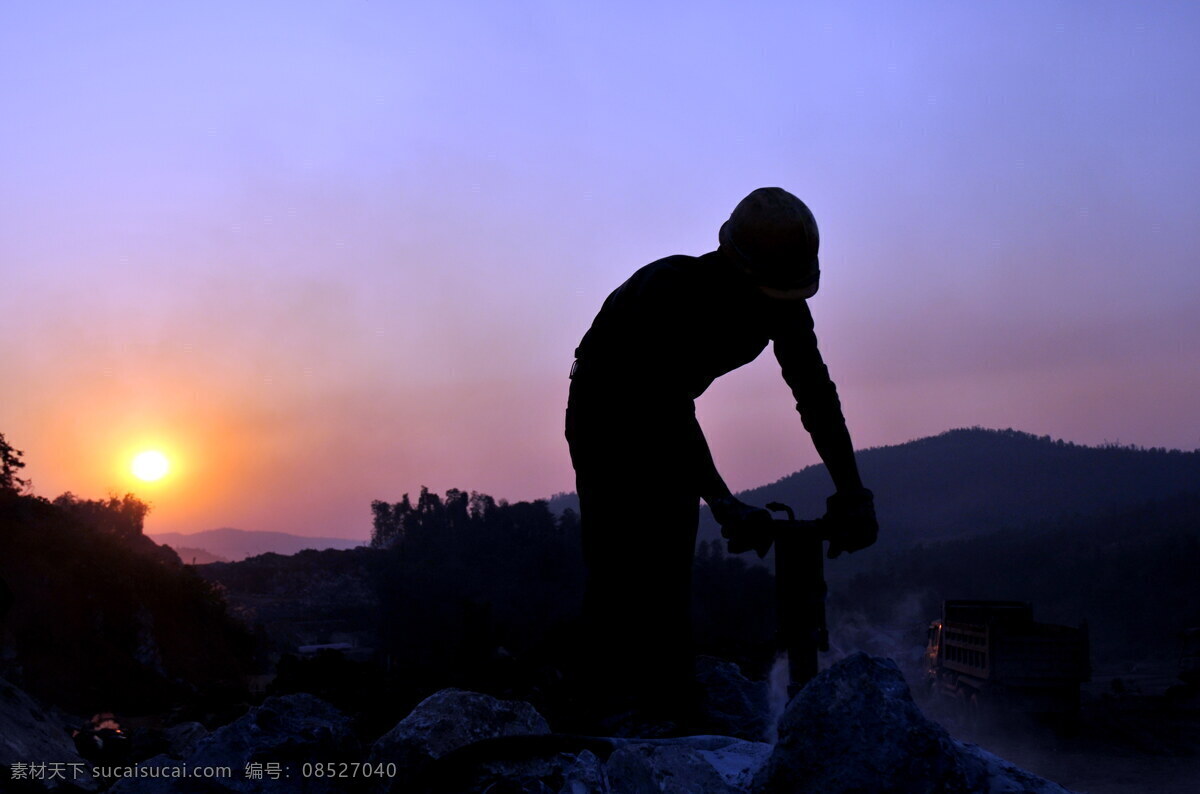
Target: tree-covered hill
96, 616
974, 481
1130, 573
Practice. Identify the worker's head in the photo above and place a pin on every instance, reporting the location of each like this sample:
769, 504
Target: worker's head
772, 237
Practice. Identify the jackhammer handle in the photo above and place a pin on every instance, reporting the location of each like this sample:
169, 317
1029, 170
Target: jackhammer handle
808, 526
777, 507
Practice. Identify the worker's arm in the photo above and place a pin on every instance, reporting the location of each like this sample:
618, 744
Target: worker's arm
816, 395
852, 506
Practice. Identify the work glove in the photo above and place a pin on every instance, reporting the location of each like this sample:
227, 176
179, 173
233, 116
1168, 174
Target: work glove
851, 519
743, 526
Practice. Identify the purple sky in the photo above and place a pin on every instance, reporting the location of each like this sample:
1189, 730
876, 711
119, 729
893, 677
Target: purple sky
323, 253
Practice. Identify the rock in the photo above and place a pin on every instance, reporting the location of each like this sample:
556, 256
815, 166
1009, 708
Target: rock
718, 764
30, 735
546, 764
732, 705
447, 720
183, 738
585, 776
855, 728
264, 751
572, 773
145, 743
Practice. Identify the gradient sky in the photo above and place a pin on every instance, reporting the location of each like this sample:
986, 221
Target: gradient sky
324, 253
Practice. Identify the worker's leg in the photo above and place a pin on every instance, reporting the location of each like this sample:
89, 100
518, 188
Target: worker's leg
638, 510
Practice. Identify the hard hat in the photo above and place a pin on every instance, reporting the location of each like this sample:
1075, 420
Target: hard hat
772, 236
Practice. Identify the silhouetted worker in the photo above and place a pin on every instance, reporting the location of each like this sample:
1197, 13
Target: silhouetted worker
641, 461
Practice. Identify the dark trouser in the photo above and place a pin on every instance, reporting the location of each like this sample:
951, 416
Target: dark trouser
639, 507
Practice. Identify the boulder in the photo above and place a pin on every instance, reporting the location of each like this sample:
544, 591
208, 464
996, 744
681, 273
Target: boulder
566, 764
264, 750
855, 728
585, 775
183, 738
731, 704
448, 720
580, 772
716, 764
30, 735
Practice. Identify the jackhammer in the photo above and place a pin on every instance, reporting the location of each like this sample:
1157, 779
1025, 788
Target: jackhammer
800, 587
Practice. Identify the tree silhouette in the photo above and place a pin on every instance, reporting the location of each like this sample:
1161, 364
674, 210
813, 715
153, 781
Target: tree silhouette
100, 614
123, 516
10, 464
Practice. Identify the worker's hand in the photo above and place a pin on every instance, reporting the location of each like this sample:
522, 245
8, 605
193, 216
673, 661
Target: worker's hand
743, 526
851, 516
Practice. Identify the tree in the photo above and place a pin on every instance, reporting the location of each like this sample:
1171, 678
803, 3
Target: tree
10, 464
390, 522
121, 516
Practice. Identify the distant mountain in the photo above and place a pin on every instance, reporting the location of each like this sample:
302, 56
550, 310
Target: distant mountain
237, 544
974, 481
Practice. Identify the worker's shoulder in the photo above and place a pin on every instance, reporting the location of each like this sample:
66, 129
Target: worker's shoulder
660, 278
676, 271
674, 266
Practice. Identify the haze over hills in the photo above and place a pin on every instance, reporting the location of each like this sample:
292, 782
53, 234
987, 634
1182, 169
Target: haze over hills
228, 544
194, 556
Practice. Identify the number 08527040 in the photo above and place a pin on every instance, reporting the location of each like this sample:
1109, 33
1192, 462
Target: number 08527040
339, 769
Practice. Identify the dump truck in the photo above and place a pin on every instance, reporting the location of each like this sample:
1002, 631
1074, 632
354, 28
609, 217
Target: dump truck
993, 655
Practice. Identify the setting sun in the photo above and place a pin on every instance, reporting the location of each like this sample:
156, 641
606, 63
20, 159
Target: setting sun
150, 465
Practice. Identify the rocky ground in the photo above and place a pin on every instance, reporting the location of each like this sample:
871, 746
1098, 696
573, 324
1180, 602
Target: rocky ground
855, 728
